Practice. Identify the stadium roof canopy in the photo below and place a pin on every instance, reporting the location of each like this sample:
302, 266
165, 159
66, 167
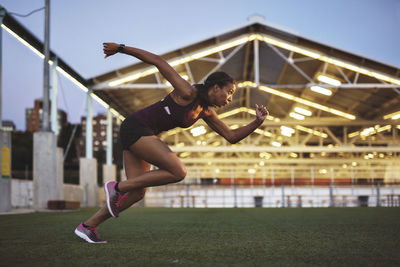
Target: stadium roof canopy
321, 99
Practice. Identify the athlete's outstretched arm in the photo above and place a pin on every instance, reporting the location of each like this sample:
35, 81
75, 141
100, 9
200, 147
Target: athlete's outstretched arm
234, 136
183, 88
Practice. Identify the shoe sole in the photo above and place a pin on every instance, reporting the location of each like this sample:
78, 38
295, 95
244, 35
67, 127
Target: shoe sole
86, 238
108, 200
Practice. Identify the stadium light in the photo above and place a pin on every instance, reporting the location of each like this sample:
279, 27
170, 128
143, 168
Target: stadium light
321, 90
303, 111
328, 80
393, 116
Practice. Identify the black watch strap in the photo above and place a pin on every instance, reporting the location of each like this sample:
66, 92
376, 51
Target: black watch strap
120, 48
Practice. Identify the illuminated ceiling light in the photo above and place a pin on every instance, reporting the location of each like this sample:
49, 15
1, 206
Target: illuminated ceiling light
287, 131
367, 131
262, 163
216, 143
328, 80
321, 90
303, 111
243, 109
323, 171
307, 102
370, 131
276, 144
265, 155
354, 164
262, 132
252, 171
246, 84
198, 130
311, 131
293, 155
393, 116
209, 154
34, 50
296, 116
184, 154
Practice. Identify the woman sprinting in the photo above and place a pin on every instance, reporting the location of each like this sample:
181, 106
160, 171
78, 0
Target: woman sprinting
138, 135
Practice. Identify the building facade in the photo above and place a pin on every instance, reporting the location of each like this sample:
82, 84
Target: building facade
99, 133
34, 117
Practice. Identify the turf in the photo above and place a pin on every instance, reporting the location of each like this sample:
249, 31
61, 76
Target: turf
207, 237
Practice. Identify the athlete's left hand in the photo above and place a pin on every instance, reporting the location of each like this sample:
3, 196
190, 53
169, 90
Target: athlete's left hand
261, 113
110, 49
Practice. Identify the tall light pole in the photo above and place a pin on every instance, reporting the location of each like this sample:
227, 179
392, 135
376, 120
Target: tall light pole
46, 77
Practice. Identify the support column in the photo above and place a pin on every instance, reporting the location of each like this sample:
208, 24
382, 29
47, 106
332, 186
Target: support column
88, 165
88, 182
46, 81
5, 171
109, 138
256, 63
2, 14
89, 124
5, 142
45, 186
54, 92
60, 173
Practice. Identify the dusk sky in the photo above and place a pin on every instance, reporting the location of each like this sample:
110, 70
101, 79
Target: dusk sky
369, 28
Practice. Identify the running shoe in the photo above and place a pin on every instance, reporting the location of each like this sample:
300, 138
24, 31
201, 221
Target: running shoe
89, 234
114, 198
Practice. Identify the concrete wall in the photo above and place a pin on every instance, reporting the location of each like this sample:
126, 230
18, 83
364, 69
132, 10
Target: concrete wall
109, 173
44, 169
88, 182
73, 192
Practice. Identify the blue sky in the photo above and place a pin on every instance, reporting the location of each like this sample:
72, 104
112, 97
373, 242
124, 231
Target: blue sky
370, 28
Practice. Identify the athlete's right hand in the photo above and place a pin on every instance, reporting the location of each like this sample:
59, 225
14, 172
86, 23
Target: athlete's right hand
110, 49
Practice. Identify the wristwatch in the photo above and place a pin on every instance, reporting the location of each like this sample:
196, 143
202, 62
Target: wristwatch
120, 48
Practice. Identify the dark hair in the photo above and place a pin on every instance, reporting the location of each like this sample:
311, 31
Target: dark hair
219, 78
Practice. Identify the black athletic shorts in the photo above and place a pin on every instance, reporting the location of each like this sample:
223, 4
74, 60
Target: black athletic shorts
131, 130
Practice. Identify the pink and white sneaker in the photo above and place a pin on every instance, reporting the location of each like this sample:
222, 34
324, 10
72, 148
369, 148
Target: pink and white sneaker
114, 198
89, 234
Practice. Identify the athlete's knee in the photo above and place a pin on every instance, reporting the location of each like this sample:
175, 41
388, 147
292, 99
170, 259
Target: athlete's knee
180, 173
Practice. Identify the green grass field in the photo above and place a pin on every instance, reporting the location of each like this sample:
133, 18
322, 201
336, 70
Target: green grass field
207, 237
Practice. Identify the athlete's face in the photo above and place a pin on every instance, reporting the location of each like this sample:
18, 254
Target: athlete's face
223, 96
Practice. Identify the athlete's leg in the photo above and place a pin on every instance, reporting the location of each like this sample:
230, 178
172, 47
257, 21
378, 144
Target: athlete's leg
152, 150
134, 167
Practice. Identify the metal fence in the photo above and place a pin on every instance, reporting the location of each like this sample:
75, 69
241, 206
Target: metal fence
203, 196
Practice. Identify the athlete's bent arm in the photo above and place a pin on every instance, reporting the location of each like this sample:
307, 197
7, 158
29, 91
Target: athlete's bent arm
183, 88
234, 136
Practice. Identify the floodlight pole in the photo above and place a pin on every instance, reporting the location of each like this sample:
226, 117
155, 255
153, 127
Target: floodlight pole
46, 77
2, 14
